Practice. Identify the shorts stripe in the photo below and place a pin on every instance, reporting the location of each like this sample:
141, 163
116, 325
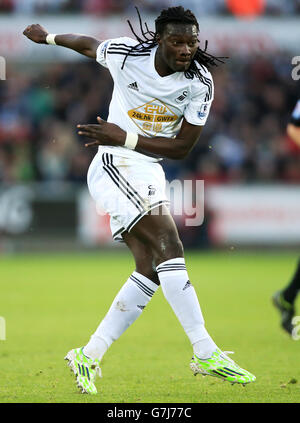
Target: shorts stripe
118, 232
124, 179
126, 189
152, 206
139, 216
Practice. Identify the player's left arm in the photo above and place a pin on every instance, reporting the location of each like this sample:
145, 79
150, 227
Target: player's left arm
177, 148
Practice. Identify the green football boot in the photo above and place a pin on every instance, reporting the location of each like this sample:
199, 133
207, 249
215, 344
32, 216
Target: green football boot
221, 366
286, 310
85, 370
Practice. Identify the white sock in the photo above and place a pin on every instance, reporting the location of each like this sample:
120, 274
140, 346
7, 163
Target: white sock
182, 297
125, 309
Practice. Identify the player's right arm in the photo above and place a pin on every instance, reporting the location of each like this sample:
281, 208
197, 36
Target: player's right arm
83, 44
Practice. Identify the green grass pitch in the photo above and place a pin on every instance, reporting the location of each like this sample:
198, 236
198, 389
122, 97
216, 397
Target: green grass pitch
52, 303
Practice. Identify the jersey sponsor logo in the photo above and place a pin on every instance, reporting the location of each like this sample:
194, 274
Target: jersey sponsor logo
152, 116
133, 86
182, 97
203, 111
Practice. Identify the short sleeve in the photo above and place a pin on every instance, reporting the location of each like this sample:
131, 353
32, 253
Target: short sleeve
295, 118
101, 53
202, 95
113, 50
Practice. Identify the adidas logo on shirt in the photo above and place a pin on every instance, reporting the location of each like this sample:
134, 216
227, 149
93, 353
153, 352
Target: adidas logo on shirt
187, 285
133, 86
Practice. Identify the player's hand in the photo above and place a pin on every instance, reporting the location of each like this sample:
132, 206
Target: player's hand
36, 33
105, 133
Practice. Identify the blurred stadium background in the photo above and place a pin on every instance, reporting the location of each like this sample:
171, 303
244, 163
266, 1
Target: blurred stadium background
250, 166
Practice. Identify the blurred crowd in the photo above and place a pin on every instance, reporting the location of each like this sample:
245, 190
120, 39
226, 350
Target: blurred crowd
244, 139
200, 7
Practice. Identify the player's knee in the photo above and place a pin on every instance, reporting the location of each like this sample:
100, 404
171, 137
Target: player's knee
148, 270
168, 246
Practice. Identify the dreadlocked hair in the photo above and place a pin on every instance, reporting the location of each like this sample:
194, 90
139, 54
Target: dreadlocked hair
148, 39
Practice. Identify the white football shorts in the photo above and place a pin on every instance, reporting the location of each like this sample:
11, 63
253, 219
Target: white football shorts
126, 189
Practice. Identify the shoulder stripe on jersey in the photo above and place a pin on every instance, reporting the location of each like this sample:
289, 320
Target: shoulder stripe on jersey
135, 53
209, 94
124, 46
127, 49
208, 83
123, 49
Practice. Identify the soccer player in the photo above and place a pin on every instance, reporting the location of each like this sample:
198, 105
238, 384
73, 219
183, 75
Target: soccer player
284, 300
161, 99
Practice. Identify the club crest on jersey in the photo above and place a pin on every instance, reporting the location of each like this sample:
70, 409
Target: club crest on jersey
203, 111
151, 189
182, 97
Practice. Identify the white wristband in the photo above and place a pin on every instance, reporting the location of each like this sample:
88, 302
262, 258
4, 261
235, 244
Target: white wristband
50, 39
131, 140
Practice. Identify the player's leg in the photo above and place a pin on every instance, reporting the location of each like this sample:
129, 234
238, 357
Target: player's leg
143, 257
284, 300
120, 187
127, 306
290, 292
129, 302
158, 230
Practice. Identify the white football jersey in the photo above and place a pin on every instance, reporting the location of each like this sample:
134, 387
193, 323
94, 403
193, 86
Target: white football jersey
146, 103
